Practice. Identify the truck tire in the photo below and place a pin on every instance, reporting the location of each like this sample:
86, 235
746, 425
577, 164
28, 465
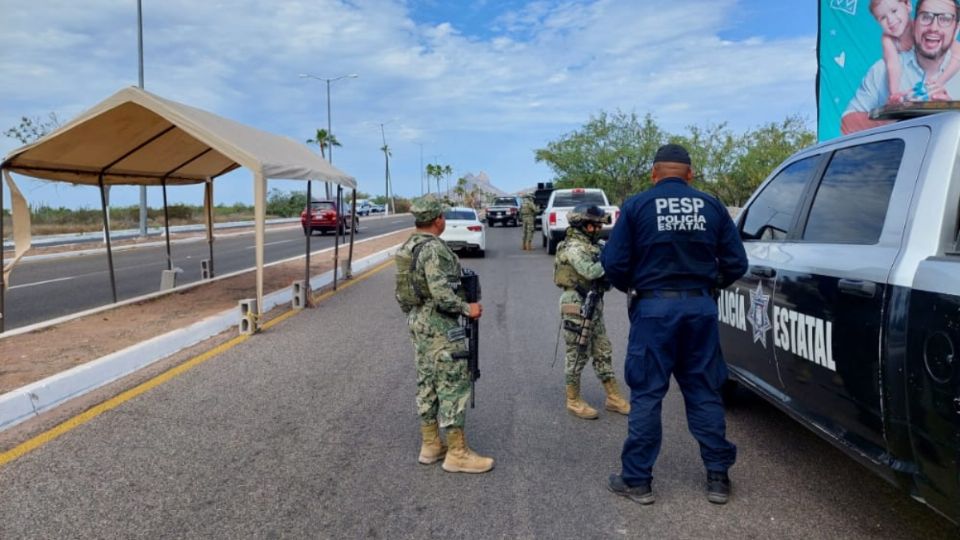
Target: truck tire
552, 246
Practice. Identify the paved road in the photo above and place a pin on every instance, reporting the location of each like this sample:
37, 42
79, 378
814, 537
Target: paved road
49, 288
309, 431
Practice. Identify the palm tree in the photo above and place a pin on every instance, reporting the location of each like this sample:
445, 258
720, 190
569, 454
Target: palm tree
324, 140
461, 188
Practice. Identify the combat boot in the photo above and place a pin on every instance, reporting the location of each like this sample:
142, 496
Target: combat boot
577, 406
460, 458
615, 401
432, 450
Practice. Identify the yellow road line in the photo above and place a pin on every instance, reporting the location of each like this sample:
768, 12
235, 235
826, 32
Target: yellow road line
112, 403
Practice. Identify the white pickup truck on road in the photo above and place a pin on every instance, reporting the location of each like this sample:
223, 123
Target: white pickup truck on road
554, 219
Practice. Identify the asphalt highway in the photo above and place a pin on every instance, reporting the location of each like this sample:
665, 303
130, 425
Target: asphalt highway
48, 288
309, 430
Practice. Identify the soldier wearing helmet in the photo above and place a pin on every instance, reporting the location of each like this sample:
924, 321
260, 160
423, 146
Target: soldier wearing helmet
428, 291
577, 270
528, 213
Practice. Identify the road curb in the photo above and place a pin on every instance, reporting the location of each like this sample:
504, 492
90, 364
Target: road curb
33, 399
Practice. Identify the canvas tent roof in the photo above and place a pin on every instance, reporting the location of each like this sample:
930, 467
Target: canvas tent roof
135, 137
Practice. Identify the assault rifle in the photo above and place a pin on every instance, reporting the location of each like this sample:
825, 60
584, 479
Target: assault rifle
587, 310
470, 282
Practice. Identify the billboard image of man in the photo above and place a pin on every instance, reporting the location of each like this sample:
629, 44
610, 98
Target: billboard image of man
925, 70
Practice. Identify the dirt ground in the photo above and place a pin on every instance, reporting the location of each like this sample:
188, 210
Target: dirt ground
35, 355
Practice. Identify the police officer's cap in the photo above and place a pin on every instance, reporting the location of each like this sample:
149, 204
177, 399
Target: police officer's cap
673, 153
427, 209
587, 213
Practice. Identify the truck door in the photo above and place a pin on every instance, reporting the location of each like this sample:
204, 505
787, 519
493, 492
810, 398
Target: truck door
746, 308
933, 381
829, 303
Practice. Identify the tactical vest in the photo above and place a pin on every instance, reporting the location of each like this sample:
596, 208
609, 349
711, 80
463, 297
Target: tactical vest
565, 275
411, 284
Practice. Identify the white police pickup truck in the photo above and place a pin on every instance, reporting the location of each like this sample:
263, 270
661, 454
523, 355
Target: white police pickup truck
848, 318
553, 221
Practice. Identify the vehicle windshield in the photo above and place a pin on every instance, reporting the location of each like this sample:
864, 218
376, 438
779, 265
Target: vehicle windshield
467, 215
504, 201
323, 205
574, 198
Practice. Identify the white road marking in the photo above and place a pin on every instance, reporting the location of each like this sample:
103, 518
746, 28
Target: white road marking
41, 282
271, 243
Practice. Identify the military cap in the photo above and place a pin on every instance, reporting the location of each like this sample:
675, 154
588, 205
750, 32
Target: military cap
673, 153
427, 209
587, 213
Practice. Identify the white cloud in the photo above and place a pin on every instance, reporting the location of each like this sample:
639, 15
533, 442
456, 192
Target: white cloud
478, 102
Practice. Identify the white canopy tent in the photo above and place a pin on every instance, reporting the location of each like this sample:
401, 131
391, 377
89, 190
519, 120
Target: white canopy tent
138, 138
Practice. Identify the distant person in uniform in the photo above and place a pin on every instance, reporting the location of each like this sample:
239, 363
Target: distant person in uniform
428, 291
934, 33
528, 213
672, 246
577, 270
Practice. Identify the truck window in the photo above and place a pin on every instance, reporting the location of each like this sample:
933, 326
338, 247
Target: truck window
574, 198
771, 214
852, 199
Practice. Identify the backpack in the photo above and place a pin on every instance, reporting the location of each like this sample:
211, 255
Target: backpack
408, 291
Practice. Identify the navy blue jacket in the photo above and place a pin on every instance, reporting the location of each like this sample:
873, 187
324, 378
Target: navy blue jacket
673, 236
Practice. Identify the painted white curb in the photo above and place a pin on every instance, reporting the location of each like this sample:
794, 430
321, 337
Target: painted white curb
28, 401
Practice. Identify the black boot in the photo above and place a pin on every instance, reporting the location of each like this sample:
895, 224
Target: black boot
642, 493
718, 487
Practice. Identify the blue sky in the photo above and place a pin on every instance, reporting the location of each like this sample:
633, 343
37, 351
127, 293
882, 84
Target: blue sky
477, 85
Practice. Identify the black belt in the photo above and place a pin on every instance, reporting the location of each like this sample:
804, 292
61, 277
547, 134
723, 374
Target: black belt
670, 293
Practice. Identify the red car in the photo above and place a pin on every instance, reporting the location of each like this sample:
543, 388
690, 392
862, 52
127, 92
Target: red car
324, 218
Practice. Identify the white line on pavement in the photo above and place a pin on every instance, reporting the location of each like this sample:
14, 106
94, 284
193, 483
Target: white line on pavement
41, 282
271, 243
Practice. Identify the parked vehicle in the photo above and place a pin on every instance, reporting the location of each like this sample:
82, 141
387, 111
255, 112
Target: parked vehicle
504, 210
464, 232
325, 218
849, 316
363, 207
376, 208
541, 197
554, 219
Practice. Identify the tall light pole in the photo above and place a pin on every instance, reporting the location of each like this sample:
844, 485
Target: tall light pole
386, 174
328, 80
143, 188
336, 238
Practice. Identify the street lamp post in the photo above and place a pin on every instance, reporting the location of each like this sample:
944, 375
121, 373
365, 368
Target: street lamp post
336, 241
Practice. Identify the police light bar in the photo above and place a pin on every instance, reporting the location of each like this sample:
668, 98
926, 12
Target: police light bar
912, 109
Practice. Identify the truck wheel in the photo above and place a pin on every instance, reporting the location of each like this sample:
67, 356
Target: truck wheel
481, 253
552, 246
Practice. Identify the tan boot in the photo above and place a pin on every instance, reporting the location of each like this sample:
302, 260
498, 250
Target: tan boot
577, 406
432, 449
460, 458
615, 401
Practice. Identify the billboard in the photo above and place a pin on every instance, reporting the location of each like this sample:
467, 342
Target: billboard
879, 53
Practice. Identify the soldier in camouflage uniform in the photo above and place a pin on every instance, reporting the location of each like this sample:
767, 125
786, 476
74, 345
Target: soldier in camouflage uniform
576, 269
528, 213
428, 291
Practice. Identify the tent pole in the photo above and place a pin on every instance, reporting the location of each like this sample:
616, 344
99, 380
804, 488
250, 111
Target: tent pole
3, 284
336, 237
308, 232
208, 210
166, 223
348, 274
259, 203
106, 235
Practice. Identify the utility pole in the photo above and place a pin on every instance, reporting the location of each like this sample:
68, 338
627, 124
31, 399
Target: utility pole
143, 188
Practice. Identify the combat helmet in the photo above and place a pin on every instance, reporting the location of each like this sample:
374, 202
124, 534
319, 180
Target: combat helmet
586, 213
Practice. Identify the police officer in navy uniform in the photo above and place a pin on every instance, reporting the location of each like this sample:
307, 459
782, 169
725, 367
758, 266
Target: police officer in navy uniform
672, 246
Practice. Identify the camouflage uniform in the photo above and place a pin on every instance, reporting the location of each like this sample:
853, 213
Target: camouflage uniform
528, 212
443, 384
577, 259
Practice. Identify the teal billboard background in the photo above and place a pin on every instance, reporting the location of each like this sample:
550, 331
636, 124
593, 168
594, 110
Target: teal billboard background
848, 44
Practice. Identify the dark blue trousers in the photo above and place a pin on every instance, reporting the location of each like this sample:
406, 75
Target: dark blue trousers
676, 336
